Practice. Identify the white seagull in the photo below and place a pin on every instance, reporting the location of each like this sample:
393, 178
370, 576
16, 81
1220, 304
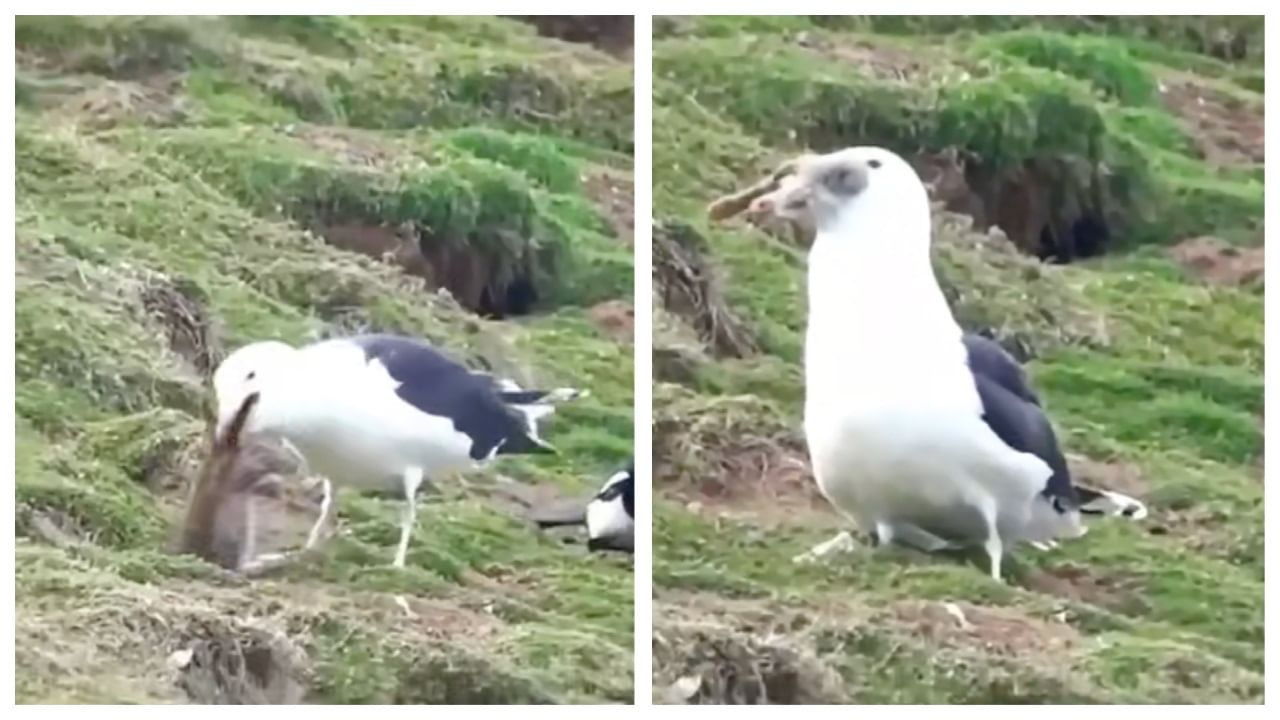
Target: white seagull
916, 431
380, 412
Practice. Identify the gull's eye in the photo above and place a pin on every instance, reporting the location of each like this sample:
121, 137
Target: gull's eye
251, 375
874, 164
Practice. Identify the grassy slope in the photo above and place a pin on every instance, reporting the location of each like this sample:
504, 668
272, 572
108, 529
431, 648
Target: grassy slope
189, 154
1165, 402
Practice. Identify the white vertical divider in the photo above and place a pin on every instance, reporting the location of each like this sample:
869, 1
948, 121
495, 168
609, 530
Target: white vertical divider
644, 358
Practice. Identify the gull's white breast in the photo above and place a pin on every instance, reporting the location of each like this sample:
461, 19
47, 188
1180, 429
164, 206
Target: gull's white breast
893, 419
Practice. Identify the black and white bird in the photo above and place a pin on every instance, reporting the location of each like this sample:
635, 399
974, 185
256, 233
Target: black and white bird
380, 412
609, 516
917, 431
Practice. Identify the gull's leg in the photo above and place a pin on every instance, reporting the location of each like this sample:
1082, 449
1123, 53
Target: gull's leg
884, 533
993, 545
995, 550
412, 479
326, 505
843, 542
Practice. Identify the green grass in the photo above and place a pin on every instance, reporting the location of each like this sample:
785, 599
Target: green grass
203, 157
1151, 376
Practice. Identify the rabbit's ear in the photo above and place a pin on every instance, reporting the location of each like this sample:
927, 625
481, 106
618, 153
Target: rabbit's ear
231, 437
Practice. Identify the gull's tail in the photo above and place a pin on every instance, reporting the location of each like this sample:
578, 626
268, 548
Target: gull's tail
1106, 502
533, 406
540, 397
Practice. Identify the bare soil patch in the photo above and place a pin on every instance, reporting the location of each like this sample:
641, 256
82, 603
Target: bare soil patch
1226, 129
614, 34
1080, 583
1219, 263
615, 318
991, 630
614, 194
733, 456
719, 651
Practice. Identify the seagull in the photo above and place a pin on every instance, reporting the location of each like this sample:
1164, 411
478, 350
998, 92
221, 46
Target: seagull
380, 412
609, 516
917, 431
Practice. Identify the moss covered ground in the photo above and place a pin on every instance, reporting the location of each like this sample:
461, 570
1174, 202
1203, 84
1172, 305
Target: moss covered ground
175, 179
1151, 368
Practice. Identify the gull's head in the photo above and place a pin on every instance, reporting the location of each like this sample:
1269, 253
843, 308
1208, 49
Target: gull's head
611, 513
244, 373
830, 190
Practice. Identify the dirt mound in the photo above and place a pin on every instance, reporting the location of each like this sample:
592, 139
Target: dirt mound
180, 307
1080, 583
687, 284
615, 318
997, 631
227, 664
396, 245
356, 147
614, 194
1225, 129
731, 452
882, 60
718, 650
612, 33
994, 290
1218, 263
743, 657
155, 101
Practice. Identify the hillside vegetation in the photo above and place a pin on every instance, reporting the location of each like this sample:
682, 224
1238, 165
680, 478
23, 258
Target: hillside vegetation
187, 185
1131, 147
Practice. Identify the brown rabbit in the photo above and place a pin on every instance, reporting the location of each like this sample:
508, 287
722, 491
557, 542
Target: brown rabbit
220, 525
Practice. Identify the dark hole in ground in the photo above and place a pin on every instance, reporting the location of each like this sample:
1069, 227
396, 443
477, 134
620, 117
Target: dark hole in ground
518, 298
487, 283
1042, 205
1087, 237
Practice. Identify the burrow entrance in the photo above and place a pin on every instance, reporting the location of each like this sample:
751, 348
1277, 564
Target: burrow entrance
492, 284
1042, 205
